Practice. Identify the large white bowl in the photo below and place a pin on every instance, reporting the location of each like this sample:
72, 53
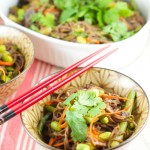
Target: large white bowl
62, 53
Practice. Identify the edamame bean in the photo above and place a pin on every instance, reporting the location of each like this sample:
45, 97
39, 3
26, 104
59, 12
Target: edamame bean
2, 48
5, 78
7, 58
105, 136
55, 125
104, 120
82, 146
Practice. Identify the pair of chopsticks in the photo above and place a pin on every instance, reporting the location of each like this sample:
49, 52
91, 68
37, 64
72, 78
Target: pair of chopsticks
17, 110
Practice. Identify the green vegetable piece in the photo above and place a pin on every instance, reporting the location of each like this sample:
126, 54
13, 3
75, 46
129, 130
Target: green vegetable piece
20, 14
66, 14
104, 120
69, 99
131, 126
9, 68
114, 144
111, 15
123, 9
78, 126
105, 136
117, 30
55, 126
5, 78
123, 125
34, 28
2, 48
99, 18
89, 119
7, 58
103, 4
88, 98
83, 147
48, 20
42, 123
80, 39
49, 108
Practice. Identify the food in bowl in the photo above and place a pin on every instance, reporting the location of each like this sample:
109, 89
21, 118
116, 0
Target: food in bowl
11, 61
93, 111
64, 53
87, 117
81, 21
16, 58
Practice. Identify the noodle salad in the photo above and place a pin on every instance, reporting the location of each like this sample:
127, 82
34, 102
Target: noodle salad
87, 118
81, 21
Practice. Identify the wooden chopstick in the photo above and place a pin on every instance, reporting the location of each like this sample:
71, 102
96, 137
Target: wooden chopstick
50, 90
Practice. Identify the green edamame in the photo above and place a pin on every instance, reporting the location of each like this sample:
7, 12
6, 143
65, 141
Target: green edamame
55, 126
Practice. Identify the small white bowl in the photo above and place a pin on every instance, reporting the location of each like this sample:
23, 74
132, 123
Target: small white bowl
62, 53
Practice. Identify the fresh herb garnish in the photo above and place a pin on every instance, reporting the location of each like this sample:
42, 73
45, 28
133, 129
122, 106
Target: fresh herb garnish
83, 103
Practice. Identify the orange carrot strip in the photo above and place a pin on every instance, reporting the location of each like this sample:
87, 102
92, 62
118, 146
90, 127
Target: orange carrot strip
64, 125
62, 143
94, 130
113, 96
4, 63
63, 115
50, 10
93, 41
52, 140
52, 101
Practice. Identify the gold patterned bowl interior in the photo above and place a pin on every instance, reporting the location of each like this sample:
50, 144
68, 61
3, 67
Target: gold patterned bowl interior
9, 34
107, 79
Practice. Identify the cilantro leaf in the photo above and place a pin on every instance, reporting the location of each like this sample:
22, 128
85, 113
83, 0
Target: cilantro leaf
117, 30
97, 109
80, 108
88, 98
123, 9
69, 99
48, 20
77, 124
67, 14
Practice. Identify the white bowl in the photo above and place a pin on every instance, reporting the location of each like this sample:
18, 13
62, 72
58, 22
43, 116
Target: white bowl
62, 53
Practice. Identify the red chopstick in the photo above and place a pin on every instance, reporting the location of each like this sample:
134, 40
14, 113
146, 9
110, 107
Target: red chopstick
35, 89
50, 90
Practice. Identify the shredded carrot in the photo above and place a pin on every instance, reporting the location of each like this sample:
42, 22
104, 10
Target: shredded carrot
61, 120
52, 140
50, 10
64, 125
94, 130
2, 42
113, 96
51, 102
62, 143
93, 120
92, 40
1, 69
5, 63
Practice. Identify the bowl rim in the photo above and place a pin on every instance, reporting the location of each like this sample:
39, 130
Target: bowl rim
41, 143
30, 64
